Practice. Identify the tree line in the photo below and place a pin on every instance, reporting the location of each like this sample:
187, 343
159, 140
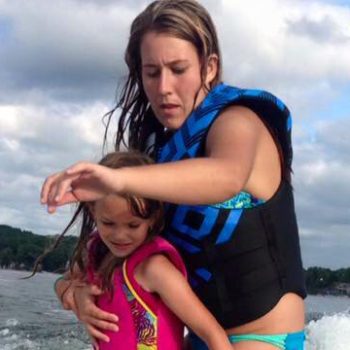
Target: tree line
323, 280
19, 250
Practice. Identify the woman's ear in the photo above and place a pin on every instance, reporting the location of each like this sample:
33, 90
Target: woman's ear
212, 69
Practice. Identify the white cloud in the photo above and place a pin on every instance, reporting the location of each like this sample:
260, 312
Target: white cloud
35, 142
322, 191
264, 46
66, 48
60, 63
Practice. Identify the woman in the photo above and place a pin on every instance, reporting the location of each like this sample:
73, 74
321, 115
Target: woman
224, 165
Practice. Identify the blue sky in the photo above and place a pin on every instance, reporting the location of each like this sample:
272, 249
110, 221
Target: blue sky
5, 29
60, 63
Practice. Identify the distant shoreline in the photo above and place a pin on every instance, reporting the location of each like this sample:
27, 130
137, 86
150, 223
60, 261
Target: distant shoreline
20, 249
329, 292
340, 289
30, 270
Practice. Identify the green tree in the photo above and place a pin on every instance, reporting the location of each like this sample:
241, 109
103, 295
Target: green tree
6, 257
27, 254
23, 247
318, 278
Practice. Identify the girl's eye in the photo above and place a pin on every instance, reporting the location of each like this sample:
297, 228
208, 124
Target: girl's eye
107, 223
134, 225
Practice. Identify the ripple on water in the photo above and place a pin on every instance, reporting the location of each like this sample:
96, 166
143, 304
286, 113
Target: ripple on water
17, 336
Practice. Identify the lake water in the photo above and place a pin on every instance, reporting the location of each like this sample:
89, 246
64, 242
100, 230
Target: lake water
31, 318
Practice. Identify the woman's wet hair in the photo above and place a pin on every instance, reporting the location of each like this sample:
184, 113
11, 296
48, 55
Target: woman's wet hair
138, 127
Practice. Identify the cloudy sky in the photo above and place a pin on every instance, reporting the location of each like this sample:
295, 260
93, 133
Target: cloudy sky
60, 63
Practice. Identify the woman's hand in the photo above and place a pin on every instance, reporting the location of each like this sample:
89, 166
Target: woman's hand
82, 182
67, 297
94, 319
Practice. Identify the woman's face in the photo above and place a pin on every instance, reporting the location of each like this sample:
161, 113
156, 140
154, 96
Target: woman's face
171, 77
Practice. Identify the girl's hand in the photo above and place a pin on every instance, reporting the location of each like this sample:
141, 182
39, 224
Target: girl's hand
94, 319
82, 182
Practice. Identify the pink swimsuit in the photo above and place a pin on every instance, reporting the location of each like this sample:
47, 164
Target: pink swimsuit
145, 322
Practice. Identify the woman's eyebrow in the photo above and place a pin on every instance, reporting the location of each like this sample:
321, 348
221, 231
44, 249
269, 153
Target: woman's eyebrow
170, 63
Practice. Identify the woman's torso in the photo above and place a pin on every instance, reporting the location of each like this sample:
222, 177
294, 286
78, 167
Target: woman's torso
286, 317
264, 181
286, 314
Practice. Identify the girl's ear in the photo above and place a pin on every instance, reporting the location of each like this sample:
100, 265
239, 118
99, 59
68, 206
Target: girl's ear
212, 69
157, 222
151, 227
91, 207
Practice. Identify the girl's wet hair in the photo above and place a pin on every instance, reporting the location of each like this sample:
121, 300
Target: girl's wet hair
138, 128
141, 207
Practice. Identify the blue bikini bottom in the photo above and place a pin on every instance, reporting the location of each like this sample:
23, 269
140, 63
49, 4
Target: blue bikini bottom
285, 341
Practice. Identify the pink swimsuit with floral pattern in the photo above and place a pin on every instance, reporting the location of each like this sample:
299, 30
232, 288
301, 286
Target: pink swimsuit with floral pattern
145, 322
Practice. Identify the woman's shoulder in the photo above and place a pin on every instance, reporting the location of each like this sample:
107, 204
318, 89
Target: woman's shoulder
237, 114
246, 103
234, 122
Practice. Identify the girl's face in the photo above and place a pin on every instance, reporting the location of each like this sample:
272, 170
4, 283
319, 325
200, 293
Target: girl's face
171, 77
120, 230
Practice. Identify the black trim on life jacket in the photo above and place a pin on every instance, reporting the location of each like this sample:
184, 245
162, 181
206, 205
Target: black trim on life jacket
256, 267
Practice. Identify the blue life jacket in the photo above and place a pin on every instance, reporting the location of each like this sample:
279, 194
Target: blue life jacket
243, 255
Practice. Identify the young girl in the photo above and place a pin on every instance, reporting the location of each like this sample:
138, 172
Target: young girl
142, 275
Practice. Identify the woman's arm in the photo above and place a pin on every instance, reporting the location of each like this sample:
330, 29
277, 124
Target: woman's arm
76, 295
231, 149
64, 288
231, 153
158, 275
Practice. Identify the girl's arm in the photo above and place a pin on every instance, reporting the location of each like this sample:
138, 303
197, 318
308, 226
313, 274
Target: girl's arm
231, 153
158, 275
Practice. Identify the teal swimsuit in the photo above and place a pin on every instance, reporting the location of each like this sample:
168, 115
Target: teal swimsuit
287, 341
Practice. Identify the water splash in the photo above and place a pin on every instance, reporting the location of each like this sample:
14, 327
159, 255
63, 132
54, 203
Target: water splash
53, 336
12, 322
329, 333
